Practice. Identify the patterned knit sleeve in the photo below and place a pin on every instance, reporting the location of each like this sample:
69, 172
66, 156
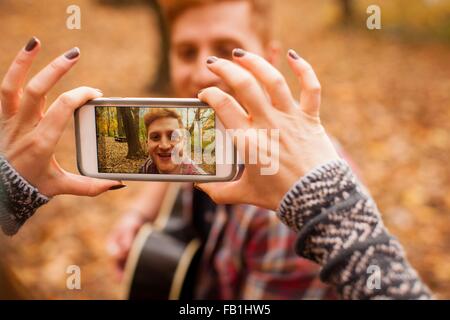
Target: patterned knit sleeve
340, 228
18, 199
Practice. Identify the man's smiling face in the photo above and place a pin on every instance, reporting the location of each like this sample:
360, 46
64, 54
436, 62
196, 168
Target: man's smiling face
209, 30
163, 137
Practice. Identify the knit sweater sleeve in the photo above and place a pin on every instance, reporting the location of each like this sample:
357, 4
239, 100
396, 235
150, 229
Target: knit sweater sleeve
340, 228
18, 199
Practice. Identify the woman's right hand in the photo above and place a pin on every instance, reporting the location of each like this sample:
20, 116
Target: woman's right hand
121, 239
29, 136
262, 100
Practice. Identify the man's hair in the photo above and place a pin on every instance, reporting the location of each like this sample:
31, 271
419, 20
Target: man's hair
159, 113
261, 11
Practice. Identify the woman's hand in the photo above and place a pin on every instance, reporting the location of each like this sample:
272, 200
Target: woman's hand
144, 209
263, 100
121, 239
29, 136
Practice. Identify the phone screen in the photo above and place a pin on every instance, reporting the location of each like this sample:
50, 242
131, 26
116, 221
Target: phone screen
156, 140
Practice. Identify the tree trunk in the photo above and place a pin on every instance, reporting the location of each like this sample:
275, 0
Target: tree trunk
347, 10
108, 122
161, 82
132, 133
121, 131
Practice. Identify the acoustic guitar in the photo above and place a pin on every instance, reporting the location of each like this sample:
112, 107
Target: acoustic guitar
165, 255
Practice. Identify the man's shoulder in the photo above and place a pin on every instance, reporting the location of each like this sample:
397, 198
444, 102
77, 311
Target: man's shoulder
146, 167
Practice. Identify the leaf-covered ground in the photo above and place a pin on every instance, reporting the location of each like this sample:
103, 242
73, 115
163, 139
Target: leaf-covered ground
386, 100
114, 157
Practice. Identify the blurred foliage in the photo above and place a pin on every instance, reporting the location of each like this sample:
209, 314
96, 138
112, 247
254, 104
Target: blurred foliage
409, 18
386, 101
107, 122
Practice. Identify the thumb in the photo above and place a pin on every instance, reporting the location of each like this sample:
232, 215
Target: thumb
84, 186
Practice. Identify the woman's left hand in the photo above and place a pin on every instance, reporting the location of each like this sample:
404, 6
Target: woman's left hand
28, 136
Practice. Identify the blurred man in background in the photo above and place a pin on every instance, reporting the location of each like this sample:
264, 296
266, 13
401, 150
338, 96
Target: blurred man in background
248, 253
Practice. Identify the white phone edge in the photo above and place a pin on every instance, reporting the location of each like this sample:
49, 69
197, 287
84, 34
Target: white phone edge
85, 130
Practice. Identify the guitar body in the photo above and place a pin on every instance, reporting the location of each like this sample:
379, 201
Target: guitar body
163, 261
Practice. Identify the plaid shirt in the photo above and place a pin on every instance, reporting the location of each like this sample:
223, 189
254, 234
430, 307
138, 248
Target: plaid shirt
250, 254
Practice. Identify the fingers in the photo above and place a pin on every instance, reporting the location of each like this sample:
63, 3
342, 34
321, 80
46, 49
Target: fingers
116, 247
84, 186
61, 111
272, 80
41, 83
120, 243
121, 240
243, 83
310, 86
15, 77
226, 107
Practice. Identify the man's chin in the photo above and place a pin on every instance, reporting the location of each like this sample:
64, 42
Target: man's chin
166, 170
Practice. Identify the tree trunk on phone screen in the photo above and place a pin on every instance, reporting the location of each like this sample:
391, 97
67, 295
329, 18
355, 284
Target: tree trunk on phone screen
131, 128
121, 131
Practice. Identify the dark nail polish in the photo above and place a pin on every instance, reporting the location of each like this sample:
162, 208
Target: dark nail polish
117, 187
31, 44
211, 60
72, 53
239, 53
293, 54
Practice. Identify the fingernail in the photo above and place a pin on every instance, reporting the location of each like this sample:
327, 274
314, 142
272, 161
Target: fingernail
117, 187
239, 53
72, 53
200, 91
211, 60
32, 43
99, 90
293, 54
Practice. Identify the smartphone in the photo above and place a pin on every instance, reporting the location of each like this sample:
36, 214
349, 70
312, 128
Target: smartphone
153, 139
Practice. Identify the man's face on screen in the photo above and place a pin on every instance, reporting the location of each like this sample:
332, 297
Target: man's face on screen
209, 30
163, 137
